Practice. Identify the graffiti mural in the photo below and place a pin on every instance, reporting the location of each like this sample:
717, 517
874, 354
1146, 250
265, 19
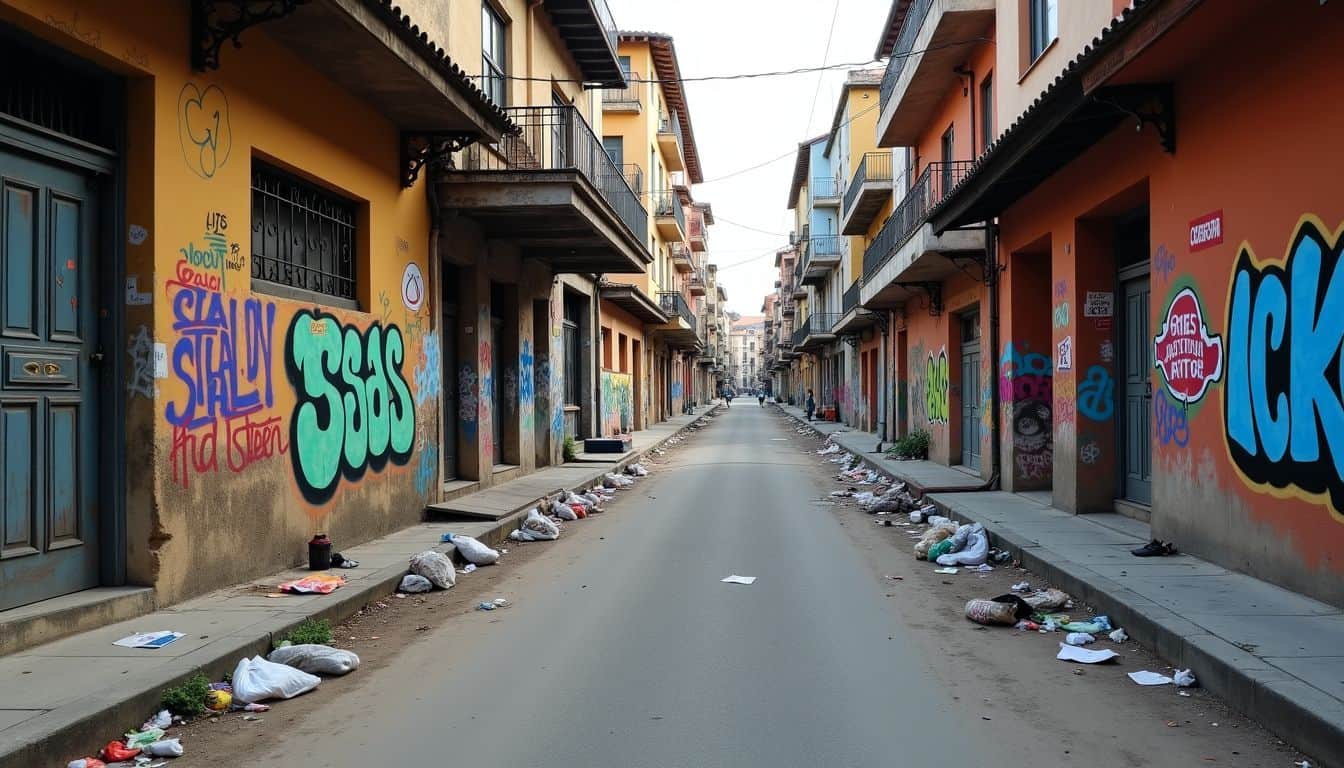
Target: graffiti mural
936, 389
1064, 361
466, 399
1189, 357
354, 411
428, 373
1096, 394
1090, 453
427, 463
203, 128
222, 359
141, 351
1060, 317
526, 387
486, 397
617, 403
1164, 263
1284, 398
1025, 387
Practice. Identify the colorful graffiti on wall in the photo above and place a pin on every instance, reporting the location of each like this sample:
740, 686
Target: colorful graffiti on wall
936, 387
355, 411
617, 403
1026, 385
1283, 412
1189, 357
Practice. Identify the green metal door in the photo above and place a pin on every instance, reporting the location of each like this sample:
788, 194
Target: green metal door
48, 436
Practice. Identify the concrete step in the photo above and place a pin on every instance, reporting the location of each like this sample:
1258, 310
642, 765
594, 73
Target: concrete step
31, 625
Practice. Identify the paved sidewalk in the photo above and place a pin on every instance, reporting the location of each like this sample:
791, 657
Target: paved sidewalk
1275, 655
66, 698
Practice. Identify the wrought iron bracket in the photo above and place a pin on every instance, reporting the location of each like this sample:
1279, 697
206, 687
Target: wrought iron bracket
419, 148
879, 318
931, 289
852, 339
215, 21
1150, 104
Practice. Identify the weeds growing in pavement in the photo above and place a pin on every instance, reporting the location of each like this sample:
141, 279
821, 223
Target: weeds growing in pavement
914, 445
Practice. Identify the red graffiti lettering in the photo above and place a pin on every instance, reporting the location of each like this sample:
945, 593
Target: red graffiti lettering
196, 451
191, 277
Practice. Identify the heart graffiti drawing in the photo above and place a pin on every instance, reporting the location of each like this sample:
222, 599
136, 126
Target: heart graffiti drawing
203, 128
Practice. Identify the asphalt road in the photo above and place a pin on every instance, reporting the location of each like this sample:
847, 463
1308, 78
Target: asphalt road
625, 649
640, 656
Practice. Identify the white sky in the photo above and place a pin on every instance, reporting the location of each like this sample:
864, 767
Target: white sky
742, 123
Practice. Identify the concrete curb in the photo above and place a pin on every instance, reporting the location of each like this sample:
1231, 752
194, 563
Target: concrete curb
1301, 715
96, 720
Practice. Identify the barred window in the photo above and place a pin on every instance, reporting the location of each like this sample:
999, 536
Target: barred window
303, 236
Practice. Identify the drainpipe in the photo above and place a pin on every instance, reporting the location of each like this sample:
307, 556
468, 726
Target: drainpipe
991, 231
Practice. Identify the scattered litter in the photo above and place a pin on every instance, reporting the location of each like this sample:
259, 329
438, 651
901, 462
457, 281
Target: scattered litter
735, 579
1083, 656
493, 605
1097, 624
976, 549
1026, 625
149, 639
163, 720
1119, 636
1303, 764
142, 739
86, 762
252, 718
257, 679
414, 583
315, 584
1185, 678
1079, 638
896, 578
337, 561
1022, 586
1145, 677
256, 707
1004, 609
165, 748
434, 566
219, 699
116, 752
473, 550
469, 568
316, 659
1047, 600
984, 568
1186, 694
945, 571
536, 527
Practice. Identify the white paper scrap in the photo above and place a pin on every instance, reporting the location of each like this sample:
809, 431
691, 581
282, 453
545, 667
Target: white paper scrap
149, 639
947, 571
738, 579
1149, 678
1083, 656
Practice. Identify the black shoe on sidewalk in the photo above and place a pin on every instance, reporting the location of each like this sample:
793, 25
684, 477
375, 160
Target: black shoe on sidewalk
1154, 548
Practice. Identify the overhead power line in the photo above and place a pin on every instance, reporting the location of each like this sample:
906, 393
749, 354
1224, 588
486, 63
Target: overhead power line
826, 54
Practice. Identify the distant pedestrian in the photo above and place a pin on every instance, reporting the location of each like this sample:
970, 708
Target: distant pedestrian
811, 405
760, 396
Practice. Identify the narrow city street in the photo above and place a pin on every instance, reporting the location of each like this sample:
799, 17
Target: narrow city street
623, 648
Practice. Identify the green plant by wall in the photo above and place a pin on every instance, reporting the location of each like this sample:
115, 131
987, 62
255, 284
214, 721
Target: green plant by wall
314, 631
571, 450
914, 445
188, 699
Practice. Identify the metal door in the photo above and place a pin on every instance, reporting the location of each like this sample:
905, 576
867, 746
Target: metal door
970, 391
48, 433
1136, 431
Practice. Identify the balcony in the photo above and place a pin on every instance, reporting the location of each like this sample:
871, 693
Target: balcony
826, 192
867, 192
788, 309
797, 291
589, 33
708, 356
681, 258
679, 330
634, 301
696, 232
815, 331
553, 190
906, 250
853, 318
820, 256
696, 285
670, 142
669, 216
625, 99
922, 68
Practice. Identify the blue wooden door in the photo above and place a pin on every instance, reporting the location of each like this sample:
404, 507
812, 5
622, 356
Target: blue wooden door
49, 523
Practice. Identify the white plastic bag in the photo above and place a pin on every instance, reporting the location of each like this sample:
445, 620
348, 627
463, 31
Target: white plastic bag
536, 527
164, 748
474, 551
436, 567
316, 659
564, 512
257, 679
975, 553
413, 583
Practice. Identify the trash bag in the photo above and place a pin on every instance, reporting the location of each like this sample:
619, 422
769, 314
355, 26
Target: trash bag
536, 527
257, 679
940, 550
316, 659
1079, 638
975, 553
565, 511
931, 537
1004, 609
474, 551
1047, 600
436, 567
165, 748
413, 583
960, 538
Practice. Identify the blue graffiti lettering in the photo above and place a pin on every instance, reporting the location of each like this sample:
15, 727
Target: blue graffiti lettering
224, 359
1170, 420
1096, 394
1283, 410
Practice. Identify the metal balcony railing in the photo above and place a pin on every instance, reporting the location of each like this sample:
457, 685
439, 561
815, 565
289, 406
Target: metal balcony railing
825, 245
608, 26
668, 203
825, 187
673, 303
557, 139
627, 97
799, 334
912, 211
634, 177
668, 123
851, 298
873, 167
905, 41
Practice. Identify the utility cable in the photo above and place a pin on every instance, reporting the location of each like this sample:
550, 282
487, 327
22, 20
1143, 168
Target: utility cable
821, 75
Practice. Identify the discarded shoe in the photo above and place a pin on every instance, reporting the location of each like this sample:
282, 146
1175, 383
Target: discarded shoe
1154, 548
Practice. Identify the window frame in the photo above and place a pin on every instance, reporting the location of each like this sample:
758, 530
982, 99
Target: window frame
494, 73
1042, 26
321, 208
987, 111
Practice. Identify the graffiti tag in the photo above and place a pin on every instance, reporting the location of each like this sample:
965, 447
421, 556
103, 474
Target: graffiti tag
203, 128
1096, 394
936, 387
1189, 357
1170, 420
